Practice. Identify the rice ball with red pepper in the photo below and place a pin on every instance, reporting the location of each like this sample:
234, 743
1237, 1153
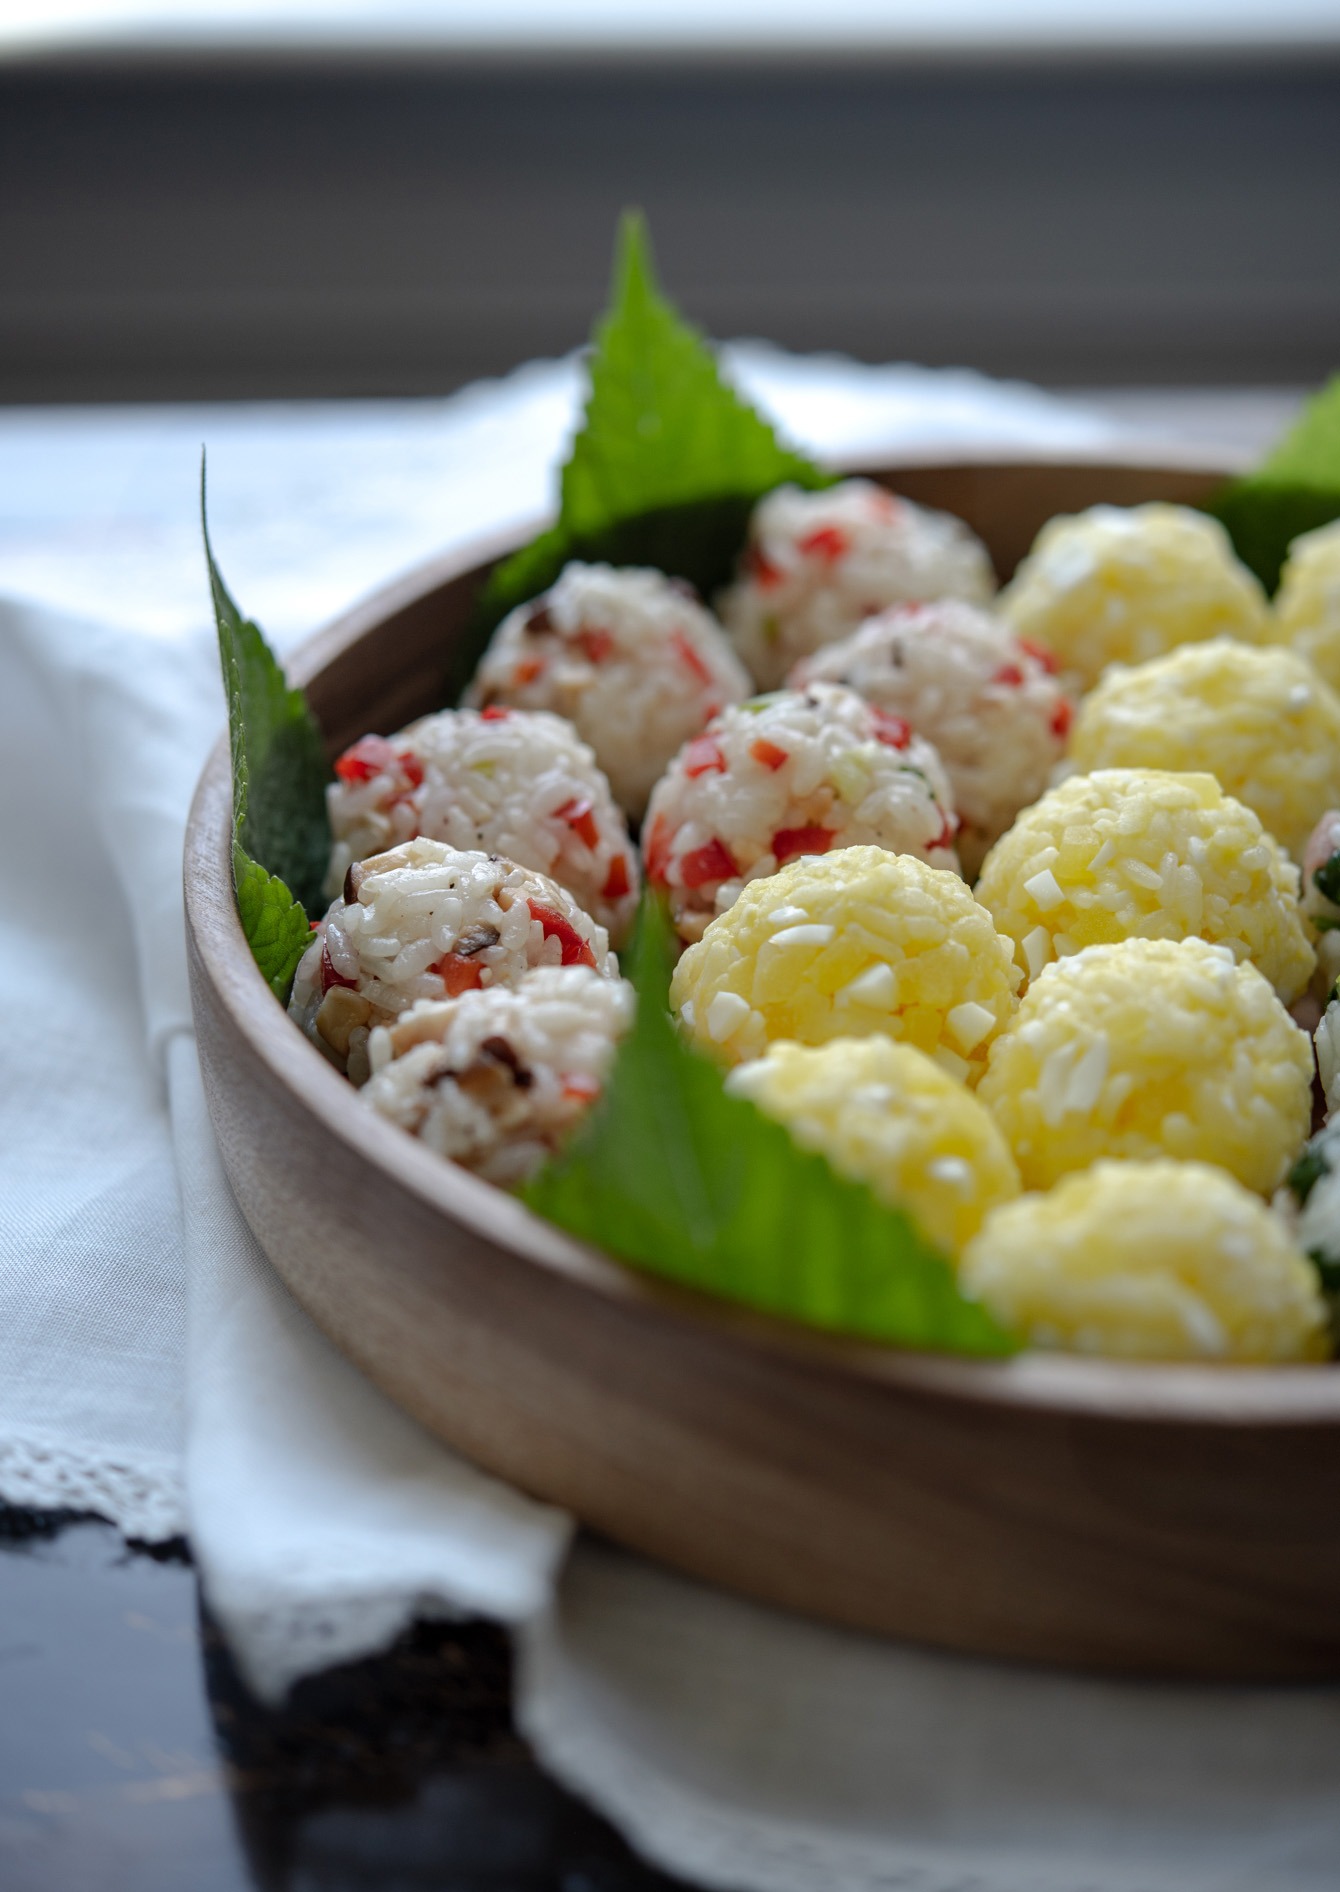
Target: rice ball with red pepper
428, 921
518, 783
499, 1078
628, 656
782, 776
988, 700
818, 564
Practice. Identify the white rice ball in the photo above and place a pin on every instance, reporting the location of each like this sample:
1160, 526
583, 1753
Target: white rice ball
783, 776
500, 1077
428, 921
518, 783
629, 656
818, 564
989, 701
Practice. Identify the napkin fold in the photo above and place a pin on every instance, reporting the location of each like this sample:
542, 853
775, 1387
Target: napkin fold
152, 1367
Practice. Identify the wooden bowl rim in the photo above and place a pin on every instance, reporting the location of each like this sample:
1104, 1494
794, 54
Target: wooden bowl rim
1130, 1392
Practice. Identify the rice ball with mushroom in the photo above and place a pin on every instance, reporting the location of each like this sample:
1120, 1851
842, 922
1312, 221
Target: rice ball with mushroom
817, 564
1145, 854
499, 1078
1147, 1048
428, 921
886, 1115
630, 657
518, 783
795, 773
1307, 604
1149, 1261
991, 705
1261, 722
847, 945
1122, 584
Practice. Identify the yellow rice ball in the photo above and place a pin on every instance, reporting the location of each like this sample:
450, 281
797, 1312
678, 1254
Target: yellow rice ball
1124, 584
1151, 1047
1145, 854
843, 945
1307, 604
886, 1115
1261, 722
1149, 1261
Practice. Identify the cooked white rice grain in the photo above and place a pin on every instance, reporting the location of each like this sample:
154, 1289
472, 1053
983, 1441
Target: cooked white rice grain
818, 564
428, 921
512, 782
989, 702
799, 772
499, 1078
628, 656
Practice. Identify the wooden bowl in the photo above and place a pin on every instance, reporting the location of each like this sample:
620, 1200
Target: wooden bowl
1164, 1520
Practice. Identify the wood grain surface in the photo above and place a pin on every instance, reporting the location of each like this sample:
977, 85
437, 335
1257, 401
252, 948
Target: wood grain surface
1158, 1520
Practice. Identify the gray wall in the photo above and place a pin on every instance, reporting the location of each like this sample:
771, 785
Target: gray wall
198, 230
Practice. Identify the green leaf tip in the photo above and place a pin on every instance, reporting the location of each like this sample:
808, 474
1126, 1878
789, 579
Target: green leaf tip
676, 1176
670, 459
281, 837
1294, 490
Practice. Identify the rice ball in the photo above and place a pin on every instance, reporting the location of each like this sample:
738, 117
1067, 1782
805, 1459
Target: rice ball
884, 1114
1307, 604
817, 564
1149, 1261
1127, 583
628, 656
428, 921
991, 705
1261, 722
499, 1078
798, 772
847, 945
1151, 1047
513, 782
1141, 853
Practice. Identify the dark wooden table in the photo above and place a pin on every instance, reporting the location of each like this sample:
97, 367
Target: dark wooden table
133, 1758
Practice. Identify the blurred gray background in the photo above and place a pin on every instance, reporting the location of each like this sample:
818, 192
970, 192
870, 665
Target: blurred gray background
178, 224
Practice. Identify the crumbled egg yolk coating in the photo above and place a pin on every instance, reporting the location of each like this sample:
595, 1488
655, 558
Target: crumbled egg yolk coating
844, 945
1150, 1048
1307, 604
1124, 584
1149, 1261
1261, 722
885, 1114
1143, 853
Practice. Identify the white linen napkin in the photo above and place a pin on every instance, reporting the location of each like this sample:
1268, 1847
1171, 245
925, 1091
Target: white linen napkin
152, 1367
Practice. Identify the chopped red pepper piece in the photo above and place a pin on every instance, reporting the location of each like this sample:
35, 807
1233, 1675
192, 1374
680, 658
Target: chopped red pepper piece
768, 755
329, 976
701, 755
495, 713
948, 832
580, 817
411, 768
369, 756
1010, 676
891, 730
789, 843
1041, 654
712, 861
527, 671
689, 657
594, 645
656, 848
459, 974
1062, 717
826, 542
764, 573
580, 1088
575, 951
617, 881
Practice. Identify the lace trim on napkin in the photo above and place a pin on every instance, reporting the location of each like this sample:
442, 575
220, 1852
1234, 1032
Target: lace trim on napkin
143, 1499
